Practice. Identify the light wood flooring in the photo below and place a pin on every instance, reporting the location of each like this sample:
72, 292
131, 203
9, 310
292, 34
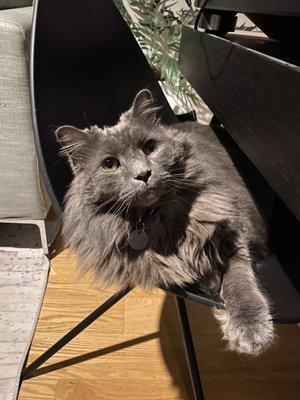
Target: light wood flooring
135, 351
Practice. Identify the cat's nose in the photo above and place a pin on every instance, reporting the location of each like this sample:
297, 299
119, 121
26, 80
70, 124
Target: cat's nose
143, 176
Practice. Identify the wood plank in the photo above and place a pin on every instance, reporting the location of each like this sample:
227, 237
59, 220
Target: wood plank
104, 390
37, 390
161, 313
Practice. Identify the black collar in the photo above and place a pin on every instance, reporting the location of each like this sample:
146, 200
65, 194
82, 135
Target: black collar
143, 215
148, 212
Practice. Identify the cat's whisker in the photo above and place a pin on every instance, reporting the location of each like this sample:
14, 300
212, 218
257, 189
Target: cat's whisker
99, 208
186, 183
183, 180
176, 185
111, 200
128, 207
102, 205
117, 212
114, 210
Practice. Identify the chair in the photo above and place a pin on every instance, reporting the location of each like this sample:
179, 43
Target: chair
23, 198
86, 68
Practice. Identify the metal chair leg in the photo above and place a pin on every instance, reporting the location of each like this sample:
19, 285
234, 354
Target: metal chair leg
75, 331
189, 349
185, 327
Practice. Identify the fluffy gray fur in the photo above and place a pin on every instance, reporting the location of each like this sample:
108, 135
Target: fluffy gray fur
207, 230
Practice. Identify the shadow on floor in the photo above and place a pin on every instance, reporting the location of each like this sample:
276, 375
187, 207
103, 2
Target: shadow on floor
92, 354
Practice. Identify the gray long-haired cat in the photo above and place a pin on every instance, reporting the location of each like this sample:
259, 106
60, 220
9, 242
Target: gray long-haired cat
157, 205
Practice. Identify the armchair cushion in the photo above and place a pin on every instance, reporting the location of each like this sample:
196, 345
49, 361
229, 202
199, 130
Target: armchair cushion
22, 194
4, 4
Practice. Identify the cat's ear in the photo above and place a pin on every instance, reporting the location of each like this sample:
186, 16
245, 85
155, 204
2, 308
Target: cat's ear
144, 109
75, 145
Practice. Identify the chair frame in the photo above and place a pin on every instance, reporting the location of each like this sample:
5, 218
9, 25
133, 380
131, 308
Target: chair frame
198, 393
56, 177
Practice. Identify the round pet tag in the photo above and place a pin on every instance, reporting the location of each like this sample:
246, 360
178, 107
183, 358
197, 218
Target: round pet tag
138, 240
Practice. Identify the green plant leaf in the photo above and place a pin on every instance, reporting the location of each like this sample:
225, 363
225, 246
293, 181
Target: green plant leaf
157, 28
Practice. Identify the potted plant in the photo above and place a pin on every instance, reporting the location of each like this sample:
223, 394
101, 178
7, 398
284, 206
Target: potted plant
157, 28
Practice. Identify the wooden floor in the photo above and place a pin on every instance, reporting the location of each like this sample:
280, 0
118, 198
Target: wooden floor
135, 352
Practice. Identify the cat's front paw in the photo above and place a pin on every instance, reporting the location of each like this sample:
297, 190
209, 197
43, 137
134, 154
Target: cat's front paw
249, 335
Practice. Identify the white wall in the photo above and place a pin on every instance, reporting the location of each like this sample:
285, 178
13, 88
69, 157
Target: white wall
179, 5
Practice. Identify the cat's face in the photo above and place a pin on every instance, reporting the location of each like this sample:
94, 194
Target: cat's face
135, 163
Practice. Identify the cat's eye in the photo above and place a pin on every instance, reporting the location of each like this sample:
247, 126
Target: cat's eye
149, 146
110, 164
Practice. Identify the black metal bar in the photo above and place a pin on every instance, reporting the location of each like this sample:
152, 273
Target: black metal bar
75, 331
189, 349
215, 121
197, 297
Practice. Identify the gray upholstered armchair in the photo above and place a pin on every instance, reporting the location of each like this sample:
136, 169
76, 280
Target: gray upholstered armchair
22, 193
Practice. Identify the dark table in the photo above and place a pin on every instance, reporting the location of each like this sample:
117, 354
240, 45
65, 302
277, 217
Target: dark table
252, 85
